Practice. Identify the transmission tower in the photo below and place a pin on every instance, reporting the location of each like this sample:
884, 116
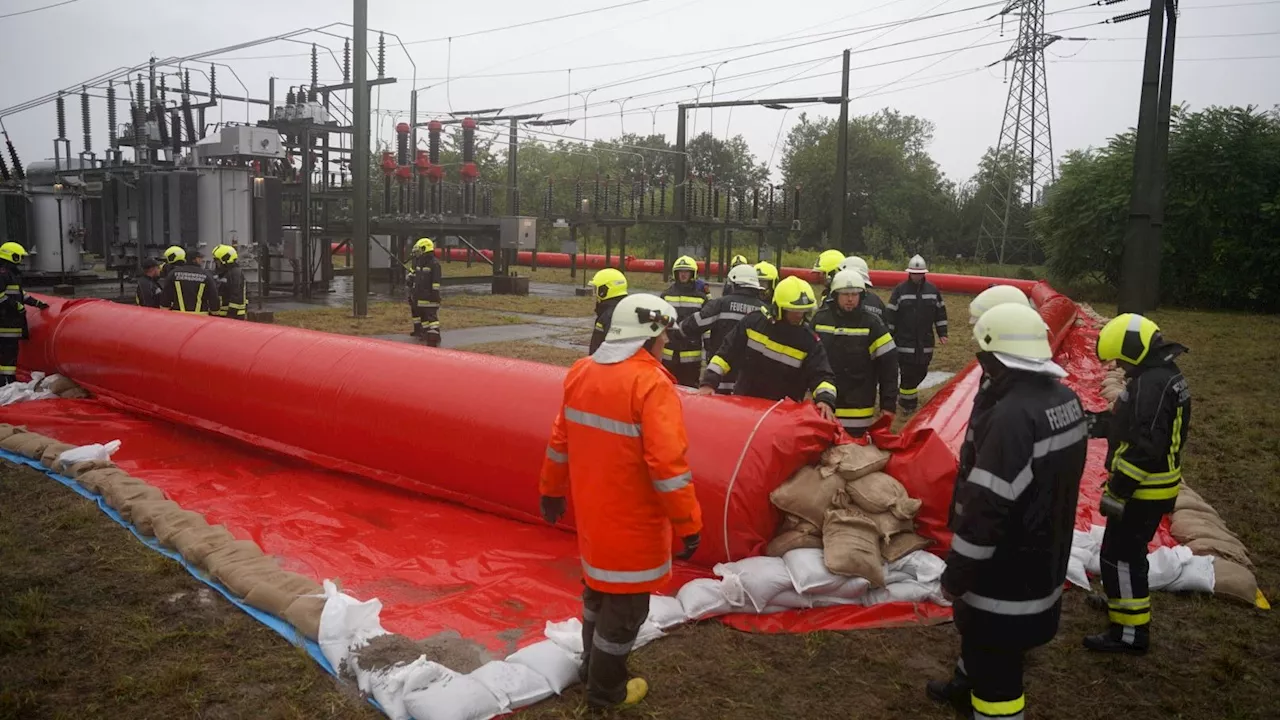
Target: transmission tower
1026, 140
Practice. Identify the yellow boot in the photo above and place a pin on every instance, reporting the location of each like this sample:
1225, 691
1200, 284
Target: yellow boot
637, 688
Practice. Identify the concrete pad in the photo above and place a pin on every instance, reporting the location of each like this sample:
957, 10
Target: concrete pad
477, 335
934, 378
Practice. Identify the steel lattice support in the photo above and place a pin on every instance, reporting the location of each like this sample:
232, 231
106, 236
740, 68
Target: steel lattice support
1024, 153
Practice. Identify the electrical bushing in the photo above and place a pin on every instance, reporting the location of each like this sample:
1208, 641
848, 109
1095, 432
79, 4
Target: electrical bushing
469, 172
421, 164
795, 204
769, 207
18, 170
617, 198
62, 118
577, 196
346, 60
595, 197
402, 143
84, 119
403, 173
175, 124
111, 115
388, 163
546, 200
468, 140
433, 142
662, 197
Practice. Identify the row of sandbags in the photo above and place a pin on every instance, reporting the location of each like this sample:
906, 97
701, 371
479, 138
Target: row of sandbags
859, 516
41, 387
1197, 525
239, 565
1112, 385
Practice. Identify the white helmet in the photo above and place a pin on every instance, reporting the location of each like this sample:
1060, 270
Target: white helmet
853, 262
744, 276
846, 280
993, 296
640, 316
1018, 337
917, 265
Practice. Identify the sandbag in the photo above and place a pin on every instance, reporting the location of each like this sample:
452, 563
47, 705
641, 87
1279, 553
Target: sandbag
171, 523
1188, 525
807, 494
851, 546
123, 490
231, 553
1235, 581
1189, 499
97, 481
76, 393
789, 540
29, 445
142, 513
278, 593
60, 384
889, 525
853, 461
198, 542
1226, 548
51, 453
78, 469
7, 431
304, 614
879, 492
242, 576
902, 545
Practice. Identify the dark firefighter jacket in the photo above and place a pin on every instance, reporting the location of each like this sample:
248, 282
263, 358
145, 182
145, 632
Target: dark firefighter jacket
13, 306
719, 317
149, 292
190, 288
913, 314
604, 319
426, 281
862, 356
872, 303
1148, 429
686, 298
1014, 509
774, 360
233, 292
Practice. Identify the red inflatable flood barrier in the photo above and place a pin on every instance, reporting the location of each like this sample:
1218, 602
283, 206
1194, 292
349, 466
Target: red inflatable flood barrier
470, 429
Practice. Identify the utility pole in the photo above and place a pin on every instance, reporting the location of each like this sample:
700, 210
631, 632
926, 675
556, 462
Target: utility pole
1140, 261
842, 166
513, 193
360, 161
678, 190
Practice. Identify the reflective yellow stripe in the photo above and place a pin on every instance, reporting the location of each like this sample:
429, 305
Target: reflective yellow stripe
824, 387
177, 293
199, 298
238, 306
880, 342
1144, 477
855, 412
1130, 619
833, 330
10, 331
718, 364
8, 369
1000, 708
912, 391
668, 353
776, 346
676, 299
1161, 493
1175, 443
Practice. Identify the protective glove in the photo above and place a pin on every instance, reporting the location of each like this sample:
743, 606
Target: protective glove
1111, 506
691, 543
1099, 424
552, 508
42, 305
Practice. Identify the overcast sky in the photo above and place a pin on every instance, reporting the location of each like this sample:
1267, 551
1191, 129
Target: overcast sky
934, 68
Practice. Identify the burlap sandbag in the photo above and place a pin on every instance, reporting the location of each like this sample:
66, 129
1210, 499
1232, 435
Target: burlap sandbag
29, 445
807, 494
276, 595
197, 543
230, 553
76, 393
789, 540
60, 385
123, 491
169, 524
1188, 525
1189, 499
96, 481
243, 576
889, 525
80, 468
51, 453
853, 461
851, 546
13, 442
1235, 581
1228, 548
7, 431
142, 513
879, 492
304, 614
903, 544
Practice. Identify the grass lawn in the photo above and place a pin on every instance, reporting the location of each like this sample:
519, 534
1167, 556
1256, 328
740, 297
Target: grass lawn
386, 318
86, 622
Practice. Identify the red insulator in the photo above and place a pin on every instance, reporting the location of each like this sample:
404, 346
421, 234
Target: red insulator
435, 173
435, 126
422, 163
403, 173
469, 123
403, 128
469, 172
388, 163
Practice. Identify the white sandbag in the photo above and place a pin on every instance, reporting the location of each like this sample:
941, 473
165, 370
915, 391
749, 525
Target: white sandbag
705, 597
567, 634
648, 633
387, 687
1083, 549
762, 578
557, 666
345, 622
906, 591
513, 684
1076, 574
791, 600
1177, 569
423, 674
460, 697
23, 392
84, 453
920, 565
665, 611
808, 572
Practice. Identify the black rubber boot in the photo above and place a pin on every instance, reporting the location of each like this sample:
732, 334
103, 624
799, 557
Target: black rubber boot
1112, 641
1096, 601
948, 692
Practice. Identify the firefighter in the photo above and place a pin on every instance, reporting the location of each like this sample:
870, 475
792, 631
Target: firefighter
13, 309
775, 353
149, 290
188, 288
1012, 515
1145, 433
914, 313
232, 289
768, 280
683, 355
827, 265
720, 316
610, 287
870, 301
734, 262
426, 292
861, 352
993, 296
618, 445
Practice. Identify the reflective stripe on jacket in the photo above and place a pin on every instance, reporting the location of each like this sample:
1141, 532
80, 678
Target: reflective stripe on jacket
13, 303
914, 314
863, 358
774, 360
618, 445
1148, 430
233, 292
719, 317
604, 320
190, 288
426, 281
687, 299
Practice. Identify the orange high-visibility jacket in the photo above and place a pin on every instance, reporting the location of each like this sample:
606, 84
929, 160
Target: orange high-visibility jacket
619, 445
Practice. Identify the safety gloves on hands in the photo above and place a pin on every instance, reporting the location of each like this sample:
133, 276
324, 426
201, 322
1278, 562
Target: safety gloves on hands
691, 543
1111, 506
552, 508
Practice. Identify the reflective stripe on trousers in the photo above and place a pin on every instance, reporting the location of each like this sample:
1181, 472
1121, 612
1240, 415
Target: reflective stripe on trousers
626, 577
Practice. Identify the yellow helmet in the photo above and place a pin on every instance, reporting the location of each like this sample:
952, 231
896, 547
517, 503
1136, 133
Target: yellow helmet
768, 273
424, 246
225, 254
13, 252
993, 296
609, 283
684, 262
738, 260
175, 254
828, 262
795, 295
1127, 337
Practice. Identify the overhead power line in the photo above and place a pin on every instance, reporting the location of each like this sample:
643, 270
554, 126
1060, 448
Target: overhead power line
527, 23
38, 9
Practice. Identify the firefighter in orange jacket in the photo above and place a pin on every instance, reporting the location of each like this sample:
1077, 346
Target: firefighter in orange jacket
619, 445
